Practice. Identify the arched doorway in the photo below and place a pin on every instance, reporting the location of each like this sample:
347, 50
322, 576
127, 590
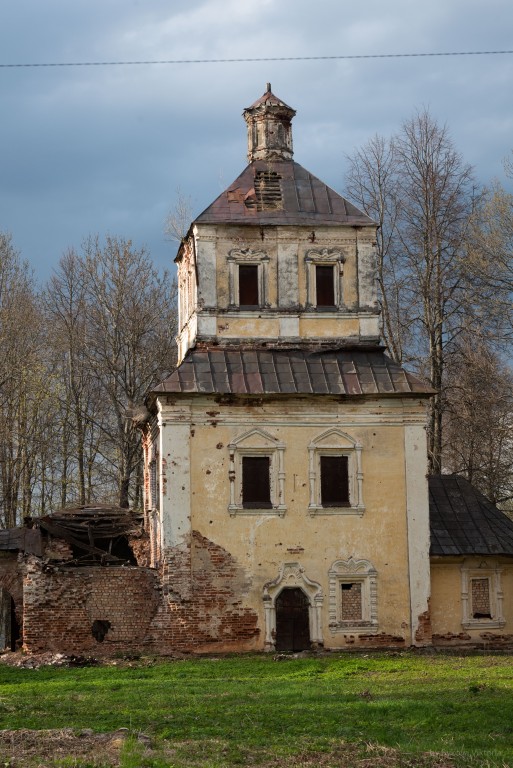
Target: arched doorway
292, 576
292, 620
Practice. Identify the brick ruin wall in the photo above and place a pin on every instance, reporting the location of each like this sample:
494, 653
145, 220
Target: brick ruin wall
193, 604
202, 607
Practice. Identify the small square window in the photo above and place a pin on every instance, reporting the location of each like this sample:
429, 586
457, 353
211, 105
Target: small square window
334, 481
256, 483
248, 285
324, 285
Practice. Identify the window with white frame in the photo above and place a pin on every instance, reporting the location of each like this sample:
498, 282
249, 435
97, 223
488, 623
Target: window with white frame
154, 483
256, 474
335, 474
324, 278
481, 594
248, 278
353, 601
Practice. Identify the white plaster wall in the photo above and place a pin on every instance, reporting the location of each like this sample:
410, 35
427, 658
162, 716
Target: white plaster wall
288, 286
369, 326
175, 480
207, 277
417, 513
367, 275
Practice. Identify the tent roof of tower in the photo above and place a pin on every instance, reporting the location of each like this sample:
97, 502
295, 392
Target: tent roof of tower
274, 192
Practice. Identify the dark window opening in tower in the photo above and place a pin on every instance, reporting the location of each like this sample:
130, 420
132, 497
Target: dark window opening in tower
325, 286
248, 285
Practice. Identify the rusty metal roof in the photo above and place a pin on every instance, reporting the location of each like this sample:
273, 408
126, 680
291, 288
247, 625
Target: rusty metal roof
305, 200
269, 99
349, 372
464, 522
23, 539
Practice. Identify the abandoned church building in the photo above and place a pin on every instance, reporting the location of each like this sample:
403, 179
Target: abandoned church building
287, 502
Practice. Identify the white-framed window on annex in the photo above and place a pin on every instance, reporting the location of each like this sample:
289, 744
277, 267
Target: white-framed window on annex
256, 474
335, 475
481, 594
248, 278
353, 603
324, 278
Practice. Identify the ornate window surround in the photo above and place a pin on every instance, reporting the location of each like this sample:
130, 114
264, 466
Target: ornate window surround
479, 568
335, 442
257, 442
239, 256
353, 571
293, 575
324, 257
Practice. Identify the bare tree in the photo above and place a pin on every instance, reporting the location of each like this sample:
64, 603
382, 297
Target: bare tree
479, 419
490, 258
179, 217
373, 183
78, 391
423, 195
24, 393
131, 321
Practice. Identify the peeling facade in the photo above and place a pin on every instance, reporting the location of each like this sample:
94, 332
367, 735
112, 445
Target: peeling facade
286, 436
286, 499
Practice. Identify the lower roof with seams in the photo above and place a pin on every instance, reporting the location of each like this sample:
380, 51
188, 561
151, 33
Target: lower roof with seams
342, 371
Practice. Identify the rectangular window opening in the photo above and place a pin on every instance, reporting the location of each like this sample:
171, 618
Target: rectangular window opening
334, 481
248, 285
153, 484
351, 597
325, 285
256, 482
480, 592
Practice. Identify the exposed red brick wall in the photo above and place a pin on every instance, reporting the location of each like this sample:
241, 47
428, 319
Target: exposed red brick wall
381, 640
424, 630
140, 546
491, 641
196, 606
62, 604
57, 549
351, 597
480, 595
202, 602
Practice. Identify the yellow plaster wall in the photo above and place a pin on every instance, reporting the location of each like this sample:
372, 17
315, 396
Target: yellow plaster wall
446, 604
446, 610
328, 327
268, 240
262, 543
248, 327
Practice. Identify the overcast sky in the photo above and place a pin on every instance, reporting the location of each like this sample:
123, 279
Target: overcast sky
103, 150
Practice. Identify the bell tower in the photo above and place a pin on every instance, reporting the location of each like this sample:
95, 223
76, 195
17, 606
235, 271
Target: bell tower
279, 258
269, 122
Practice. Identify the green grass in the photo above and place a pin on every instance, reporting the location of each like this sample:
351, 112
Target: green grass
226, 709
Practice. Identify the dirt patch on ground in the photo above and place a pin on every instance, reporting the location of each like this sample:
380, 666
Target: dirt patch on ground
85, 749
45, 749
